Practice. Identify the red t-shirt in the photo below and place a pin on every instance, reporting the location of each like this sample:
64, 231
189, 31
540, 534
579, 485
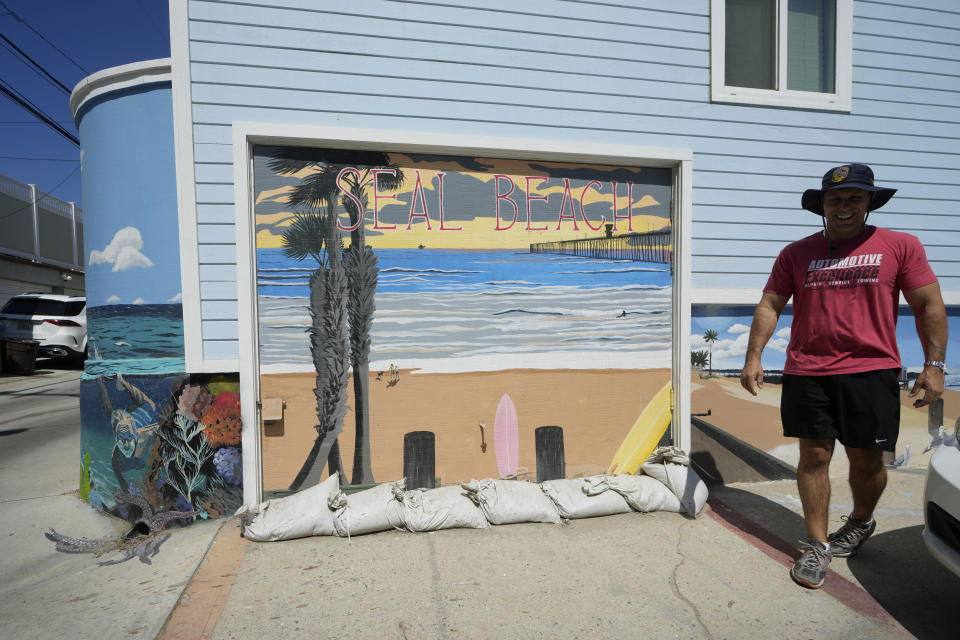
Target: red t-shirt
845, 301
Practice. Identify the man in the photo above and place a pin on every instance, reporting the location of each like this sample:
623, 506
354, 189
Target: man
840, 377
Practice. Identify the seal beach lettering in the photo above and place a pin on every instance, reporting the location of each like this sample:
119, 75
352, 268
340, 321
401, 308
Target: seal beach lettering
502, 201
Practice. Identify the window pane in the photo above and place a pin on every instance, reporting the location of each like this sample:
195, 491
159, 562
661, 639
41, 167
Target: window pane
34, 307
750, 44
811, 45
74, 308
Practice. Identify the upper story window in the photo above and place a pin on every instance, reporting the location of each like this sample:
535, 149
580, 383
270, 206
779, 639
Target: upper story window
788, 53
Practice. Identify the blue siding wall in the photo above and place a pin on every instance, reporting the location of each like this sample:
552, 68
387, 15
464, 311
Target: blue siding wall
633, 72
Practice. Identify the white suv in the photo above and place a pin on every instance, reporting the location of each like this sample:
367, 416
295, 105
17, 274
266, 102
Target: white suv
58, 322
941, 498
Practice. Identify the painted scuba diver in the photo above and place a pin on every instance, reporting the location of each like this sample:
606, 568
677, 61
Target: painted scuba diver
129, 423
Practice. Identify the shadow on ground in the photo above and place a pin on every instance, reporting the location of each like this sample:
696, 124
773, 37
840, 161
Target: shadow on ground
894, 567
47, 366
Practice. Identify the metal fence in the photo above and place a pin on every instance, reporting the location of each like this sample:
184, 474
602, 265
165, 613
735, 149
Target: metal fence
38, 227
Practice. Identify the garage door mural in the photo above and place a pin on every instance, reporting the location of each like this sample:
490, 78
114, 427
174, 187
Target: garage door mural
470, 317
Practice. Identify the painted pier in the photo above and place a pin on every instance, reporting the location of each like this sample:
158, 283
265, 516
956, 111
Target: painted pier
652, 246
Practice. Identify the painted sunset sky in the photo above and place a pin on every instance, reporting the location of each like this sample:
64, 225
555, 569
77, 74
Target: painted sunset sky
485, 203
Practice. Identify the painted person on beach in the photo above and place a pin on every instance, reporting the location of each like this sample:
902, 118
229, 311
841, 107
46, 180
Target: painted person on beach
840, 377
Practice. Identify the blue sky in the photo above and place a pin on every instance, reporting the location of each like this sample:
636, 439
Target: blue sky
732, 325
95, 35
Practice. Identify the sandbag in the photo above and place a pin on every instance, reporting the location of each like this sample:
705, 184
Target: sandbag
642, 493
574, 499
302, 514
377, 509
511, 501
683, 481
443, 508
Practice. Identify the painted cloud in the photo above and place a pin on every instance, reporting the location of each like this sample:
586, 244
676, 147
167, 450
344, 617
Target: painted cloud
729, 352
123, 252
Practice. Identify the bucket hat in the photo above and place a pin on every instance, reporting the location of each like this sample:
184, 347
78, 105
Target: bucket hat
857, 176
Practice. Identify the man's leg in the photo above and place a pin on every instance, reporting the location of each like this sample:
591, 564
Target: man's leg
813, 483
868, 479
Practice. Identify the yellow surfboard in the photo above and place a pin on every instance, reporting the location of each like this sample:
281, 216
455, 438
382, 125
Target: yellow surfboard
645, 433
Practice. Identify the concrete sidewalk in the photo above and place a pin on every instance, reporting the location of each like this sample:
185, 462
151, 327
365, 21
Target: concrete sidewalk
659, 575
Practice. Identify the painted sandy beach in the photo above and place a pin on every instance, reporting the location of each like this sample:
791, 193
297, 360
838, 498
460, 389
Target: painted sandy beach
595, 408
756, 420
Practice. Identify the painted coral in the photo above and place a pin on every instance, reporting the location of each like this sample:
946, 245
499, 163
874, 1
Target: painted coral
222, 420
194, 401
229, 464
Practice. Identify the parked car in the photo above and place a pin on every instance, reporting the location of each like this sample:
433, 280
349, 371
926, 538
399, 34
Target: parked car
941, 501
58, 322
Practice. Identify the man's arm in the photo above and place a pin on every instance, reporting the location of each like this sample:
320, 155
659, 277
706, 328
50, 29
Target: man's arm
931, 318
765, 319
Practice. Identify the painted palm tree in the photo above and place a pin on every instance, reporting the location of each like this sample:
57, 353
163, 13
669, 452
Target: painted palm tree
699, 358
710, 336
314, 234
345, 290
362, 270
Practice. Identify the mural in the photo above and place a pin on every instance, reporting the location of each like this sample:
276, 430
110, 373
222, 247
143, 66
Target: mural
718, 343
412, 303
730, 326
160, 444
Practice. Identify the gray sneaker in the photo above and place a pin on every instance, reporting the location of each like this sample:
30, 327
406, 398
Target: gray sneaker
810, 570
847, 540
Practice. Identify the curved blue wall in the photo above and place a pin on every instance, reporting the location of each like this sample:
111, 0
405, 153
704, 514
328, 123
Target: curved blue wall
148, 428
129, 180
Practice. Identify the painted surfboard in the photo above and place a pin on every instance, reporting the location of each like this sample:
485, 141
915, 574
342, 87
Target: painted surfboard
645, 433
506, 439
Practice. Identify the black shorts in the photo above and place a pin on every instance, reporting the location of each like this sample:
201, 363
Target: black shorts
861, 410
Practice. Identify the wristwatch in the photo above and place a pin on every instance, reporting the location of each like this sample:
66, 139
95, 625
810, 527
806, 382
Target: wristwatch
939, 364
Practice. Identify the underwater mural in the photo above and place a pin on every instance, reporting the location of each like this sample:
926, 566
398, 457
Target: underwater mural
161, 443
420, 305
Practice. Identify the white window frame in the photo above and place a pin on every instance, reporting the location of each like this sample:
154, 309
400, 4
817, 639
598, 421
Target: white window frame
838, 101
248, 134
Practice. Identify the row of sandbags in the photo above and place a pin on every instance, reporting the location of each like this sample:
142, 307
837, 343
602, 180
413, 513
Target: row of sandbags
667, 484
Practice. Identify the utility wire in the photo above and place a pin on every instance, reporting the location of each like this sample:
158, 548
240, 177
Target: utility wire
11, 122
36, 64
35, 110
40, 159
42, 37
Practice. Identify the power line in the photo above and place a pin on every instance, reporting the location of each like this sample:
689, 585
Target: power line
40, 159
42, 37
36, 64
35, 110
20, 122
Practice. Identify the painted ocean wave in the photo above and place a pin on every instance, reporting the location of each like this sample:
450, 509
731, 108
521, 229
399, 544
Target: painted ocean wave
94, 368
542, 313
474, 309
412, 270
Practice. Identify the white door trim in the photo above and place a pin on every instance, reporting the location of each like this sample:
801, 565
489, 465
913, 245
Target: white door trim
247, 134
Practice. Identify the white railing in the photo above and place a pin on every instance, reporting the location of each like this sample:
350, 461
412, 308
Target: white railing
23, 239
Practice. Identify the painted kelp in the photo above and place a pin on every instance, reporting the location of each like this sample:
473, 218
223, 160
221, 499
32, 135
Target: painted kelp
173, 441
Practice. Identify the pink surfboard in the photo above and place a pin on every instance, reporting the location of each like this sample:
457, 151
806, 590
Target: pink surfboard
506, 440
